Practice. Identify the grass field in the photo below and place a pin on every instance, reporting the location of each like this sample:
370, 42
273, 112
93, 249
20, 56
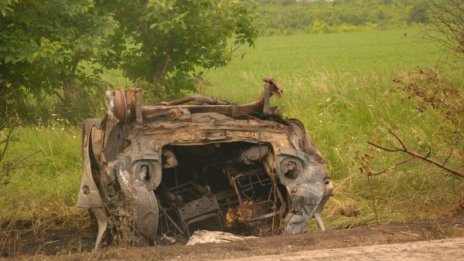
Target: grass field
299, 60
340, 85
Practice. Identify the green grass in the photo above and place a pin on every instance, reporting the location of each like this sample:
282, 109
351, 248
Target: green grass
298, 61
340, 85
44, 187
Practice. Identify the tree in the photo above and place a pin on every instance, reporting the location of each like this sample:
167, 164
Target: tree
43, 45
448, 20
60, 47
169, 42
418, 14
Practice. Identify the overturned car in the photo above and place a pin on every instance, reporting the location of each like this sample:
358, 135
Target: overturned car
155, 174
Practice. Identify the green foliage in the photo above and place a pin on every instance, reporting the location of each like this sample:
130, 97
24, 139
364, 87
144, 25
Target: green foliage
42, 46
5, 7
419, 14
55, 51
168, 43
285, 17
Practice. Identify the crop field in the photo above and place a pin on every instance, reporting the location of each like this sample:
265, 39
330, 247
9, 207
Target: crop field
341, 85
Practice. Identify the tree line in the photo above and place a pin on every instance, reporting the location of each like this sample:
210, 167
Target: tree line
287, 17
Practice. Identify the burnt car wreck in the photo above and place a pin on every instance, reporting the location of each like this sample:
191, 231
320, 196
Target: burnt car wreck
155, 174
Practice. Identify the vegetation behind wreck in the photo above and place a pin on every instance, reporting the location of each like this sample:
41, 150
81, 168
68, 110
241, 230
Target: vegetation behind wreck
341, 85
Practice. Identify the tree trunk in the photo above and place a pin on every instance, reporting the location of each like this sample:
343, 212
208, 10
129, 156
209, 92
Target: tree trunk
159, 74
70, 106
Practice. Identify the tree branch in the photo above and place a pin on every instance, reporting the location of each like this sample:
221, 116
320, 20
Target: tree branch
398, 139
383, 148
6, 141
390, 168
436, 163
416, 155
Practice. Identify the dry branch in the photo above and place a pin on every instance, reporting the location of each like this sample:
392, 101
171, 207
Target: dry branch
417, 155
390, 168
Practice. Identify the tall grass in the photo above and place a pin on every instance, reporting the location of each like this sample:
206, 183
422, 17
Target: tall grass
340, 85
43, 189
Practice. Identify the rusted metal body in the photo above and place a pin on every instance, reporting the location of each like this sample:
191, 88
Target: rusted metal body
155, 174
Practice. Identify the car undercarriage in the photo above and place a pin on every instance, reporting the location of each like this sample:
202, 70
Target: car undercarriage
154, 174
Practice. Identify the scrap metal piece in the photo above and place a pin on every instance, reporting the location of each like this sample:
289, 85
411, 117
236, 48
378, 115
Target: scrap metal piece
261, 106
102, 220
205, 237
138, 107
169, 159
318, 218
254, 154
143, 206
204, 208
120, 105
307, 189
89, 196
199, 99
271, 87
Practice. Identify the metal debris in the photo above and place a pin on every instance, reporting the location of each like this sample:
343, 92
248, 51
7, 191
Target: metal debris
159, 173
205, 237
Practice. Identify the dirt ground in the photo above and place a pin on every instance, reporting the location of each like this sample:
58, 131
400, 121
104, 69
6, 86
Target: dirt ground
72, 245
442, 249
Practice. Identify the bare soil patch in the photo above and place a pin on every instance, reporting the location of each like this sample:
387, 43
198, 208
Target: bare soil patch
77, 245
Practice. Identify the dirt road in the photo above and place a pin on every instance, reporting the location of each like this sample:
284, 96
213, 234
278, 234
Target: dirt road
445, 249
